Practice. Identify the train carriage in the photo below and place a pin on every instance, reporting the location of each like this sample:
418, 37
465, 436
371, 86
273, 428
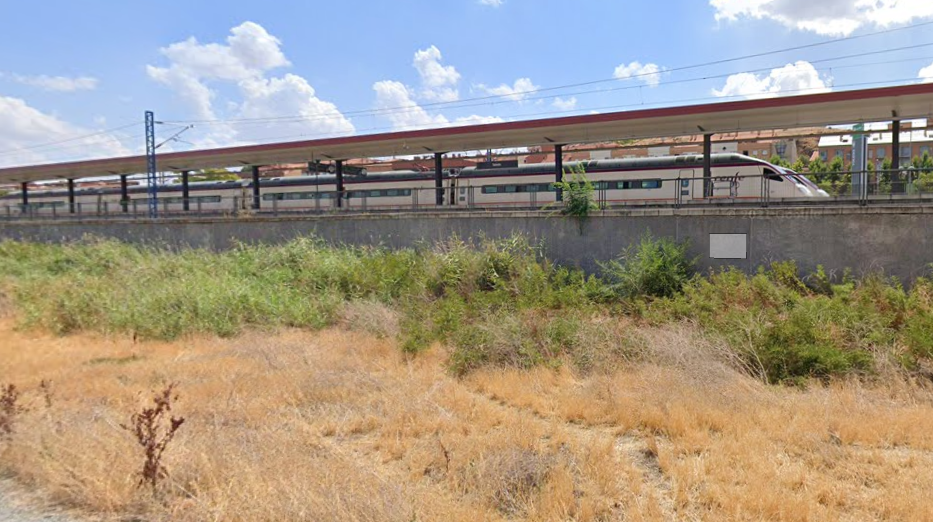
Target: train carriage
641, 181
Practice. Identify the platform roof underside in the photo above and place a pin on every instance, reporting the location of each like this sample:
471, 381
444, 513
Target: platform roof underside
845, 107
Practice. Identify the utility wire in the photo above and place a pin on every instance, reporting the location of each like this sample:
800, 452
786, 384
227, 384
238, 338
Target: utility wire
76, 138
462, 105
592, 82
666, 103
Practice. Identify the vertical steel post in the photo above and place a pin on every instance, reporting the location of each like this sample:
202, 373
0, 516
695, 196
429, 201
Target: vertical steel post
559, 169
438, 179
256, 198
152, 182
896, 147
125, 195
707, 165
339, 164
24, 187
71, 196
185, 174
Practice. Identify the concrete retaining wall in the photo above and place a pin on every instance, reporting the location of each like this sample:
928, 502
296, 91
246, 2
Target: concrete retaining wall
897, 240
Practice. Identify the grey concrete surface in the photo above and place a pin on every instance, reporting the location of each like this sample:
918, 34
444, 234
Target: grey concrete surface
19, 506
895, 240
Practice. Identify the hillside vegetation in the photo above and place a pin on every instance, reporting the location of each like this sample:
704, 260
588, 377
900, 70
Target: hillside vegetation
498, 304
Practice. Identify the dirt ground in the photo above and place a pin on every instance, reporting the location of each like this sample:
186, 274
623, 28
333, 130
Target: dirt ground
337, 425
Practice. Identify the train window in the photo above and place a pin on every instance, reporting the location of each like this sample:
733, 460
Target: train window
771, 175
685, 183
490, 190
651, 184
509, 189
392, 192
375, 193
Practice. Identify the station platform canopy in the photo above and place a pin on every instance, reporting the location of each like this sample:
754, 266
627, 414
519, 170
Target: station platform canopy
833, 108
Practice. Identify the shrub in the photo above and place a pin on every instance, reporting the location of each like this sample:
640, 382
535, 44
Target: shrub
650, 268
154, 430
577, 193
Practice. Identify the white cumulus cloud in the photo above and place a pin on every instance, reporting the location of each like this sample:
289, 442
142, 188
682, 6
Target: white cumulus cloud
245, 60
926, 74
491, 3
398, 103
439, 81
796, 78
565, 104
405, 114
26, 128
826, 17
649, 73
55, 83
518, 91
401, 109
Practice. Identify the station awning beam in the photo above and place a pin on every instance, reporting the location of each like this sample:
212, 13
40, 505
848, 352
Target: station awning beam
438, 178
124, 194
707, 163
71, 195
257, 200
559, 169
896, 145
339, 165
185, 192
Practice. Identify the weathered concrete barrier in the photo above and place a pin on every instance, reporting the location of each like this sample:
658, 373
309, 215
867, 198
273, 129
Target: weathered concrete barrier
895, 240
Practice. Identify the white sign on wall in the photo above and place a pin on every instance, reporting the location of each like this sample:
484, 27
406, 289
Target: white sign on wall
728, 246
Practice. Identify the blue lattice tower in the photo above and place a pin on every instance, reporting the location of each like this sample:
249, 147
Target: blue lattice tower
151, 180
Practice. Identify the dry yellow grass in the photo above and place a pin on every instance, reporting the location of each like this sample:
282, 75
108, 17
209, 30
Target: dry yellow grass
339, 425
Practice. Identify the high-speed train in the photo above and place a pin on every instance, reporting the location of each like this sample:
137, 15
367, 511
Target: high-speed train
654, 181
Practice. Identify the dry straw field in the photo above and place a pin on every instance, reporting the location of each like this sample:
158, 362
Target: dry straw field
342, 425
459, 383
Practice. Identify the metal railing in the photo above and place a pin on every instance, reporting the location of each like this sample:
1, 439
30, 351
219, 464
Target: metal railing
905, 186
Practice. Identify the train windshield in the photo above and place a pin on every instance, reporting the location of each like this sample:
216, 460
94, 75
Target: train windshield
772, 175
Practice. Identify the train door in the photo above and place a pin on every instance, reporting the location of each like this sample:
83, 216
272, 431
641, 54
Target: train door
456, 195
684, 182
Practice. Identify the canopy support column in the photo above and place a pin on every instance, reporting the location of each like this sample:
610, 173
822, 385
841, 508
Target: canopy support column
438, 179
896, 147
707, 164
24, 187
559, 168
124, 194
339, 165
256, 194
185, 174
71, 196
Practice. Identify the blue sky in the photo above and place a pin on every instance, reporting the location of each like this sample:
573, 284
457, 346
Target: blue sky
253, 72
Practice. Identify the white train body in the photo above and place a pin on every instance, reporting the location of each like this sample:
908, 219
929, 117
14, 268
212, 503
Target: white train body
643, 181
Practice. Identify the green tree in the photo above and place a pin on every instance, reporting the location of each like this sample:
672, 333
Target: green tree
923, 163
887, 164
779, 161
577, 192
837, 168
214, 175
799, 165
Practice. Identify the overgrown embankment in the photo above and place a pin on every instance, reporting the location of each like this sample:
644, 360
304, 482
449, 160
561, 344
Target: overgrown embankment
500, 304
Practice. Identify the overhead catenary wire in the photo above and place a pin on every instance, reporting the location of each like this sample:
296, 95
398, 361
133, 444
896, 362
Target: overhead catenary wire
669, 102
462, 105
512, 95
68, 140
510, 98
